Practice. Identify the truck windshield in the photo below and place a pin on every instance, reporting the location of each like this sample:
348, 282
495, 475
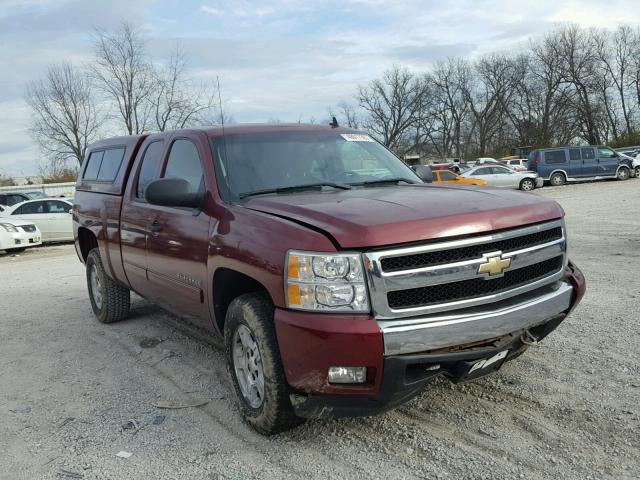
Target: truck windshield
278, 162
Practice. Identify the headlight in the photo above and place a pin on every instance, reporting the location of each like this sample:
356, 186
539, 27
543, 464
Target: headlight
8, 227
322, 281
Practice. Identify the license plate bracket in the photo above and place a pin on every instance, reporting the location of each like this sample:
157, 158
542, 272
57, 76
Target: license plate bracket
481, 367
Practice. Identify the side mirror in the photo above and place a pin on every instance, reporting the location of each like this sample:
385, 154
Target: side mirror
173, 192
425, 173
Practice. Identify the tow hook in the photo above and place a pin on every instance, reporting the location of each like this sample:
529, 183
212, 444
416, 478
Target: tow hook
528, 339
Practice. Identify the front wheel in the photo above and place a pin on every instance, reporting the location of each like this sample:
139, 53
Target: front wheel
623, 173
110, 301
527, 184
253, 361
16, 250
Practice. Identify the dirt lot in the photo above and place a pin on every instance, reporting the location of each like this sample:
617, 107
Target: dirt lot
74, 393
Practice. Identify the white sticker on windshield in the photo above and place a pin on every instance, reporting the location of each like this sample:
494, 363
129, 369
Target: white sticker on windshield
356, 137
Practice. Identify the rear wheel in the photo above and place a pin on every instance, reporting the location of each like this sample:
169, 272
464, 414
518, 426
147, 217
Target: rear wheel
527, 184
623, 173
253, 361
557, 179
110, 301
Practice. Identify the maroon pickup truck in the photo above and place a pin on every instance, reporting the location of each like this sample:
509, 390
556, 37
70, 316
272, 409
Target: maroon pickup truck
339, 281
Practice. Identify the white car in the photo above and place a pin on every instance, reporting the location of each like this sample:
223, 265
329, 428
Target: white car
518, 164
52, 216
500, 176
16, 235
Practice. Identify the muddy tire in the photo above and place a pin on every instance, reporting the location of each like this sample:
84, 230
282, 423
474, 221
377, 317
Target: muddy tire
255, 367
527, 184
623, 173
110, 301
557, 179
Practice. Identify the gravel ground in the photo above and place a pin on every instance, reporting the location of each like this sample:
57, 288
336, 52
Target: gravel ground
74, 392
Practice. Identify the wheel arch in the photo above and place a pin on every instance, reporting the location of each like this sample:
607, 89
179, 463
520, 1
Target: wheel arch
229, 284
558, 170
87, 241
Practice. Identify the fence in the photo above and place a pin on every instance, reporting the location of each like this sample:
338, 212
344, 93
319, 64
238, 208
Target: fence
67, 189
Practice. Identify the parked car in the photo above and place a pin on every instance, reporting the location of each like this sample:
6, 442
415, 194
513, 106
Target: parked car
17, 235
501, 176
51, 216
337, 292
571, 164
519, 164
488, 160
11, 198
36, 195
634, 156
450, 178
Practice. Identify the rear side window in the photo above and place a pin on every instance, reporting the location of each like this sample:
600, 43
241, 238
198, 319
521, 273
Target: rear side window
93, 165
184, 162
150, 169
587, 153
30, 208
555, 156
55, 206
574, 153
111, 161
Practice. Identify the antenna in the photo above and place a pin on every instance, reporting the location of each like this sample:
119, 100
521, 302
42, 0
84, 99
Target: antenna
224, 137
220, 103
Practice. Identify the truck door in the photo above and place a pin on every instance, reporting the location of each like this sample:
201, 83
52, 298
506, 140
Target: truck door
178, 239
136, 215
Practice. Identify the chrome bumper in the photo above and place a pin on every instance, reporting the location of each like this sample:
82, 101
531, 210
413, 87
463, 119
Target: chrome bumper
411, 335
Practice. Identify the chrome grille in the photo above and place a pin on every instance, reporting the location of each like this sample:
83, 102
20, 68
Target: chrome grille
406, 262
446, 276
450, 292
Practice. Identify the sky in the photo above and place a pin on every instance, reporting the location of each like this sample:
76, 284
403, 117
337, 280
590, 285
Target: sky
281, 59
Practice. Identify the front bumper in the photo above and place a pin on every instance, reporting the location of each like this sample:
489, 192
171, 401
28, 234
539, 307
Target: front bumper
311, 343
21, 240
539, 182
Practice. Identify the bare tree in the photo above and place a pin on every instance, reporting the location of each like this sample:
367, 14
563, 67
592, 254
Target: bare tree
64, 115
126, 75
616, 51
392, 104
177, 101
488, 94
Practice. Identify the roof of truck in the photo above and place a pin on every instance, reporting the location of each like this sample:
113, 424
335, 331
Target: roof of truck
217, 130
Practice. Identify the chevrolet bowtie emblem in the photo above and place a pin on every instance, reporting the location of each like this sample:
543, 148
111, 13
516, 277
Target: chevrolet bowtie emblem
495, 265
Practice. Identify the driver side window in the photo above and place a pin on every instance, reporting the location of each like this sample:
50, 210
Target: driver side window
184, 163
606, 153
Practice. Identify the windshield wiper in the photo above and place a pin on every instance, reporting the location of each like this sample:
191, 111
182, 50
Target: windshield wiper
293, 188
382, 181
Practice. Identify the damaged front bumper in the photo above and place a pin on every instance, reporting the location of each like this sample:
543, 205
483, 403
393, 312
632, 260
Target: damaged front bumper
478, 345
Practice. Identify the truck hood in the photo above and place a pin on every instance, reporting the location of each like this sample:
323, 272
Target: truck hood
373, 217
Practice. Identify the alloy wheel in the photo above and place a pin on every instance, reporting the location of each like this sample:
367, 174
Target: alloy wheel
247, 365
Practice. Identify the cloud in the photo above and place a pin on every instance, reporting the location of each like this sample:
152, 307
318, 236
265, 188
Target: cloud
277, 58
